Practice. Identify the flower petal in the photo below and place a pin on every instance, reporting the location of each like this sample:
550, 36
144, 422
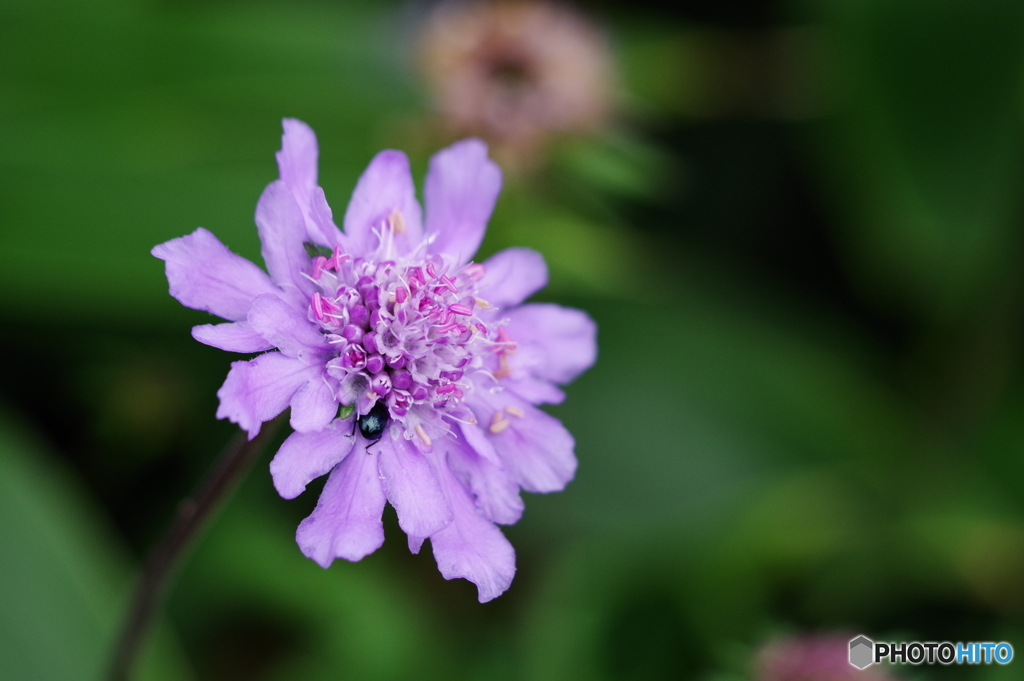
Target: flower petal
297, 164
304, 457
203, 274
282, 230
475, 438
297, 159
412, 488
552, 342
535, 449
534, 390
460, 191
260, 389
470, 546
287, 329
320, 221
313, 405
495, 494
346, 522
233, 337
513, 275
385, 186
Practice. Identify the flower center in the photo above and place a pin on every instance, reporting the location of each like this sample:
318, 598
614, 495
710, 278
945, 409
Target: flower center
405, 331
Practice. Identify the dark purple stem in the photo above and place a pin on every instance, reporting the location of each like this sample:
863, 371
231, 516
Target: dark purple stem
193, 514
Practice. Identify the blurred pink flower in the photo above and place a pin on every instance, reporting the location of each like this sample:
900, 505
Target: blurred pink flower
812, 658
411, 372
514, 71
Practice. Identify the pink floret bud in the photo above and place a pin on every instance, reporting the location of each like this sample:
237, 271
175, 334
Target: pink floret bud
374, 364
352, 333
381, 384
401, 379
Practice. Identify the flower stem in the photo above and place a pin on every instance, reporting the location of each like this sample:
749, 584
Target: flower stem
193, 514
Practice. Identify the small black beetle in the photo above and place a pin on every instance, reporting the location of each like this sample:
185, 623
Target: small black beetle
372, 425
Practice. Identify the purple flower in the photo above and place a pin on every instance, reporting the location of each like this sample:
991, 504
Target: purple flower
392, 312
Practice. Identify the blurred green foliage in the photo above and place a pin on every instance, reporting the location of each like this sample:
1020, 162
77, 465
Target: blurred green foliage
63, 574
801, 243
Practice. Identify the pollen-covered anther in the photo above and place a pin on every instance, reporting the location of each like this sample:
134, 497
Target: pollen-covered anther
318, 306
422, 435
338, 258
504, 370
475, 271
507, 345
397, 221
319, 263
325, 310
515, 411
449, 283
498, 423
481, 303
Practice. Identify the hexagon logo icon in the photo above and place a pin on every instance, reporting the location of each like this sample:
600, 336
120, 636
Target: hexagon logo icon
862, 651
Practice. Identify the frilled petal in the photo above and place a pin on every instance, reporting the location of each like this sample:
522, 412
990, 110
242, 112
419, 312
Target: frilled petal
320, 222
297, 159
258, 390
512, 276
534, 390
346, 522
535, 449
552, 342
478, 441
470, 546
385, 186
495, 494
287, 329
203, 274
460, 191
412, 488
282, 230
297, 163
313, 405
233, 337
304, 457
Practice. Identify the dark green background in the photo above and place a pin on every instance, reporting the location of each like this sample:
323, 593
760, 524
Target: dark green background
801, 239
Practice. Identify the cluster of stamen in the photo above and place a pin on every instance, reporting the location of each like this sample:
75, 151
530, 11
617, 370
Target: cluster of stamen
405, 330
